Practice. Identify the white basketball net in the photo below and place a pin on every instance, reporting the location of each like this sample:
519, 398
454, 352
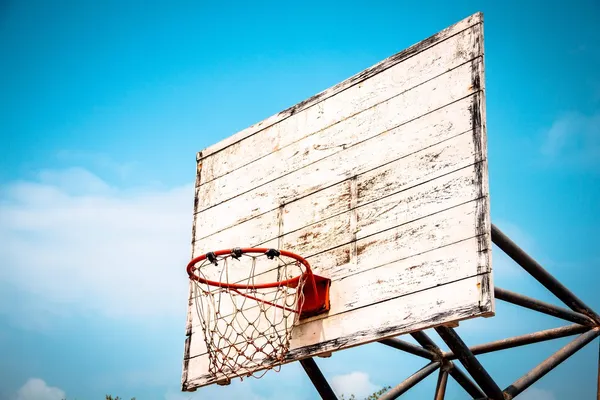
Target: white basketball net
247, 336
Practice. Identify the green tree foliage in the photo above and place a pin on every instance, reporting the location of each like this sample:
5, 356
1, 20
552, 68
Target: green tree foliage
110, 397
372, 396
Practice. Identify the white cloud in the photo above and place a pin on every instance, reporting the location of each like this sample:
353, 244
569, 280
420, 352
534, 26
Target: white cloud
37, 389
72, 243
536, 394
357, 383
99, 161
573, 139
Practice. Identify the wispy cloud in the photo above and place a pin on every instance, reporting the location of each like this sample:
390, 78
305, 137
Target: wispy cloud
37, 389
74, 244
573, 140
357, 383
537, 394
99, 161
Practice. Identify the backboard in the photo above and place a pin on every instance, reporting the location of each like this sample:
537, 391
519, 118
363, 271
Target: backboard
380, 182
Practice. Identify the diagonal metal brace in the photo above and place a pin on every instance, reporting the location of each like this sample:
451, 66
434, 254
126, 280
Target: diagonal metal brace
540, 306
540, 274
317, 378
463, 380
471, 364
550, 363
516, 341
411, 381
409, 348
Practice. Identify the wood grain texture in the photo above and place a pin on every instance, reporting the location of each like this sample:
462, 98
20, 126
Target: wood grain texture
448, 88
436, 209
403, 245
353, 81
416, 273
415, 140
421, 310
302, 138
445, 167
381, 182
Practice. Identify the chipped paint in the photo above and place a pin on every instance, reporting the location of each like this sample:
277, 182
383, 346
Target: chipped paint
381, 185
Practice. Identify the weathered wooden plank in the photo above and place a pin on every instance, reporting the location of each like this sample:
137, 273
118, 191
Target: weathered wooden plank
420, 272
421, 310
388, 98
380, 225
374, 216
401, 242
420, 142
395, 210
449, 87
351, 84
478, 117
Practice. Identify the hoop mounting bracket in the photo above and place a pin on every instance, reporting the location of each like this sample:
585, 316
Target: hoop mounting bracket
316, 297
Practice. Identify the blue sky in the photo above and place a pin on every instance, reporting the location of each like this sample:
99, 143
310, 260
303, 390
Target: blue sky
103, 106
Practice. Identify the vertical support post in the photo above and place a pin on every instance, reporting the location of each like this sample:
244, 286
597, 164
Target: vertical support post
440, 389
471, 364
317, 379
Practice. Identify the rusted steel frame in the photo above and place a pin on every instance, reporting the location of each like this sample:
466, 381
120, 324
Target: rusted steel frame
411, 381
425, 341
317, 379
463, 380
540, 306
409, 348
471, 364
440, 388
550, 363
522, 340
459, 376
540, 274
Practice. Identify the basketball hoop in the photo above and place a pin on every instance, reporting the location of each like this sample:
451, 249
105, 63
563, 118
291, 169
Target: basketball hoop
247, 312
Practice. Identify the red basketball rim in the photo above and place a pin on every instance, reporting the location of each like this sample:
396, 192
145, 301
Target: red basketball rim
293, 282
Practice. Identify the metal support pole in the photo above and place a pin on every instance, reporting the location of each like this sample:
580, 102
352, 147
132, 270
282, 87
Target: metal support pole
440, 389
317, 379
409, 348
550, 309
425, 341
522, 340
411, 381
539, 273
550, 363
471, 364
463, 380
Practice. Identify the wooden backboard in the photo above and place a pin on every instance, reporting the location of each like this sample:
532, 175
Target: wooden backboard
380, 182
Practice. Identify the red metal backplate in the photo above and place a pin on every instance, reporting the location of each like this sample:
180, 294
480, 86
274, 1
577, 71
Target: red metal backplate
315, 303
